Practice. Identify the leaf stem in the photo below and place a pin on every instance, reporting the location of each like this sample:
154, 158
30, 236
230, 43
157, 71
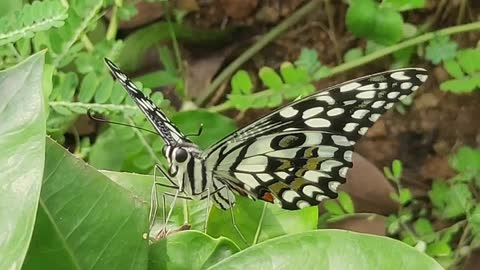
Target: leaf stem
260, 223
93, 106
371, 57
260, 44
113, 25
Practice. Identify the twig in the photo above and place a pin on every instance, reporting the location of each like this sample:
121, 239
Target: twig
260, 44
375, 55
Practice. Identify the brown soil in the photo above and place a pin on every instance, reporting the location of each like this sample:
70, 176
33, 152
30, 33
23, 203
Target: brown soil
434, 126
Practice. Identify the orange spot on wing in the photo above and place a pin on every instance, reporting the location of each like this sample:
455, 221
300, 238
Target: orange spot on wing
268, 197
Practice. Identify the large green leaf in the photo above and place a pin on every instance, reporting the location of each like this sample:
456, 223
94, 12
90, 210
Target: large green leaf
22, 140
330, 249
86, 221
189, 250
250, 222
141, 185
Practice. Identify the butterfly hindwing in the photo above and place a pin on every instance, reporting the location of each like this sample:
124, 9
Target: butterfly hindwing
167, 130
299, 154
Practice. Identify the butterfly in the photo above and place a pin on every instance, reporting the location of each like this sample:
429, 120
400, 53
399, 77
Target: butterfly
295, 157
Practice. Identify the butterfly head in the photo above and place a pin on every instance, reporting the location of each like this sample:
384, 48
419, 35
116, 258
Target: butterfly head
179, 155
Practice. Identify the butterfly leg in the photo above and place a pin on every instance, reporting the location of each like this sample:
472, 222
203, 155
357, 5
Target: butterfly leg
207, 212
233, 218
208, 203
154, 195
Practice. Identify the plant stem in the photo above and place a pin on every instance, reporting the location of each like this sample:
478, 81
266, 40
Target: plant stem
87, 43
113, 25
260, 44
140, 136
400, 46
173, 36
93, 106
375, 55
260, 223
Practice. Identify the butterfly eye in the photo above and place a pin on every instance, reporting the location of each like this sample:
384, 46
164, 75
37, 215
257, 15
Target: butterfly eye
181, 155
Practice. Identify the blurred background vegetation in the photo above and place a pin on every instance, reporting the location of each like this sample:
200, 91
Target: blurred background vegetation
226, 63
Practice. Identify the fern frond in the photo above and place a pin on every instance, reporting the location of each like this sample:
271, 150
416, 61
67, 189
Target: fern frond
24, 23
79, 19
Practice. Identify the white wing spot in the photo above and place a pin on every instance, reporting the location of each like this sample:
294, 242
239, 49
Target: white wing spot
414, 88
389, 105
340, 140
399, 76
374, 117
393, 95
406, 85
311, 112
321, 197
377, 104
333, 185
253, 164
264, 177
362, 131
343, 172
350, 86
289, 195
422, 77
160, 115
348, 155
131, 86
327, 165
122, 77
310, 189
366, 94
335, 111
349, 102
302, 204
313, 176
382, 85
359, 114
288, 112
349, 127
247, 179
282, 175
326, 151
317, 122
328, 99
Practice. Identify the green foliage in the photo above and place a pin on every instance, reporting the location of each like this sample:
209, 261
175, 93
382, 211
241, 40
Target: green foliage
22, 139
453, 203
380, 23
464, 69
340, 207
76, 226
293, 81
403, 5
441, 49
32, 18
292, 252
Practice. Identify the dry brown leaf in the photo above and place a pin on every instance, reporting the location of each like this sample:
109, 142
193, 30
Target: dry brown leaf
238, 9
201, 70
368, 187
374, 224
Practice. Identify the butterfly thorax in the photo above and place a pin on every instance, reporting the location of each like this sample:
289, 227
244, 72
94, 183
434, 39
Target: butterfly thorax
187, 168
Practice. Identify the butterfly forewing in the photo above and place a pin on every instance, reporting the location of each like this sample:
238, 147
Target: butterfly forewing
167, 130
298, 155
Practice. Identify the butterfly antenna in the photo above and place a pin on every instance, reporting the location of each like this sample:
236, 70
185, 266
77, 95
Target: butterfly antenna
91, 116
199, 132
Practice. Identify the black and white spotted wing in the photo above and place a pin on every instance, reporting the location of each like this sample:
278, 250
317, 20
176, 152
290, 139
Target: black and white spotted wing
299, 154
169, 132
